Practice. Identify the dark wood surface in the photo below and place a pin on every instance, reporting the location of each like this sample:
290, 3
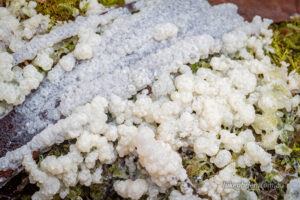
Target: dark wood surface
277, 10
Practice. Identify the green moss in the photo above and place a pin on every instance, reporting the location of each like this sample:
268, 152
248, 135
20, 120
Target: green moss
60, 150
109, 3
243, 172
199, 64
104, 190
264, 185
64, 10
58, 10
286, 44
116, 170
288, 164
56, 150
271, 176
60, 49
98, 191
63, 48
75, 192
198, 169
119, 172
26, 197
288, 119
202, 63
85, 7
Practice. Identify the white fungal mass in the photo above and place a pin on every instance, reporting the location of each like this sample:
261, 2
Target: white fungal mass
216, 111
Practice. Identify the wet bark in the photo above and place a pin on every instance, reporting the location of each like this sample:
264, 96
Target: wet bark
277, 10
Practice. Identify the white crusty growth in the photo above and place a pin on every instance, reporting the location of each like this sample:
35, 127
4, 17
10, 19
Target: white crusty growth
131, 189
162, 163
164, 31
67, 62
87, 40
16, 83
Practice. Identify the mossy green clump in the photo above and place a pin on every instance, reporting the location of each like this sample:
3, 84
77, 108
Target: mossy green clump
63, 48
109, 3
199, 169
56, 150
59, 150
202, 63
76, 192
286, 44
116, 170
58, 10
64, 10
290, 136
199, 64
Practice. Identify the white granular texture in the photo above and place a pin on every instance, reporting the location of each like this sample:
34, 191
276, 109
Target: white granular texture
124, 62
164, 31
188, 111
193, 113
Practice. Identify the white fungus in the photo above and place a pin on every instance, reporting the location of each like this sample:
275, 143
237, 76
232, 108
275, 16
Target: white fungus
184, 110
293, 188
87, 40
43, 59
164, 31
67, 62
222, 158
131, 189
163, 164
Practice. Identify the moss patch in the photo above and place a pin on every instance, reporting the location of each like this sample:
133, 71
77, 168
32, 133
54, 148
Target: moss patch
58, 10
286, 44
63, 48
64, 10
109, 3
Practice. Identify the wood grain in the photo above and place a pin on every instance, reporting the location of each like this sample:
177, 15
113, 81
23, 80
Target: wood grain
277, 10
